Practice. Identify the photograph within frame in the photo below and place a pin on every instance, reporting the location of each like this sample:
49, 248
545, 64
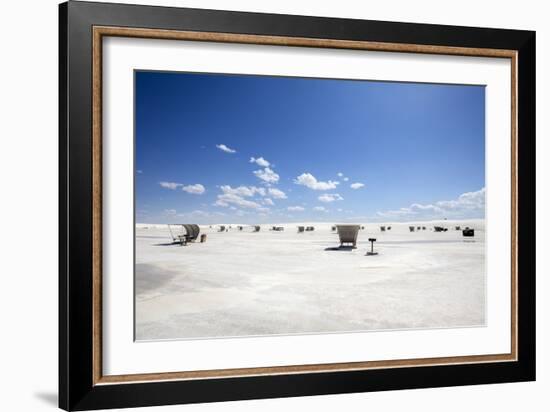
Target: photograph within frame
411, 135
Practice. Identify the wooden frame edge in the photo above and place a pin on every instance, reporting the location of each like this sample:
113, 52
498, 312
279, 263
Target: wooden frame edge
298, 369
98, 32
297, 41
97, 229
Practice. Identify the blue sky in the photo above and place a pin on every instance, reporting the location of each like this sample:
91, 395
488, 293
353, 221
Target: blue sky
229, 148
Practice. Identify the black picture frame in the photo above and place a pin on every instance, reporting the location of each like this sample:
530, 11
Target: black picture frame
77, 390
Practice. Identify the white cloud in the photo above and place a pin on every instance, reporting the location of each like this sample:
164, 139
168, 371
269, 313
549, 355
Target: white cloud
267, 175
276, 193
247, 191
250, 191
233, 200
225, 149
340, 174
260, 161
467, 205
330, 197
468, 201
295, 209
196, 189
356, 186
268, 201
308, 180
320, 209
170, 185
345, 179
195, 213
170, 211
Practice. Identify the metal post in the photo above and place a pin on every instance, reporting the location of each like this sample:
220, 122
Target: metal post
372, 252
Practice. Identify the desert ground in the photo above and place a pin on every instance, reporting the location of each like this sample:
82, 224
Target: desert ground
240, 283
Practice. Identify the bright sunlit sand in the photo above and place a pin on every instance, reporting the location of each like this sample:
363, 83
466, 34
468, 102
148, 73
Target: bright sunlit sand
240, 283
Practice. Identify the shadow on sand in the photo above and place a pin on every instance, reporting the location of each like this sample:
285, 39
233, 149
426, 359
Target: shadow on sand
340, 248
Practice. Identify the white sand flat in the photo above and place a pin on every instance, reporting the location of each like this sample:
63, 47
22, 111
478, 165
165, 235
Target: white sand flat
241, 283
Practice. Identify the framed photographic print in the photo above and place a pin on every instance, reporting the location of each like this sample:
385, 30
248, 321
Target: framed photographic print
257, 205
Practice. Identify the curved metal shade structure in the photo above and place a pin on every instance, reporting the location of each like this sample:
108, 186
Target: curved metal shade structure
189, 233
192, 231
348, 234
